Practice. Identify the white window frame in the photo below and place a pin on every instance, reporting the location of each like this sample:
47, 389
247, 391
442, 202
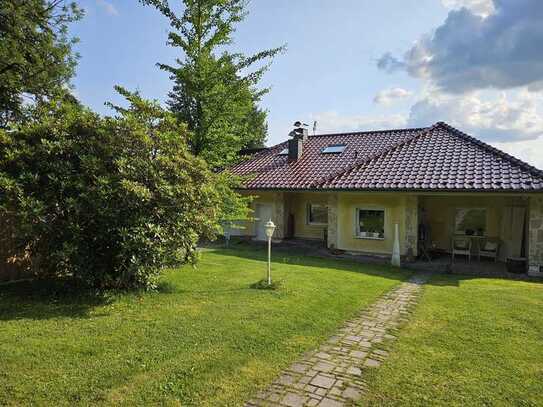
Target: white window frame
308, 213
463, 233
357, 210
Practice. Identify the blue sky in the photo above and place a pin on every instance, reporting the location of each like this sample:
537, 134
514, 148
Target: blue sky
351, 64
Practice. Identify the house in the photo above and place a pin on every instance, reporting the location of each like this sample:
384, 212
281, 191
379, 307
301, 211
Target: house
362, 191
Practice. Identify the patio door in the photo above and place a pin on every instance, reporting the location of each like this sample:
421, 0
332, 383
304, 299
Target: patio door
263, 213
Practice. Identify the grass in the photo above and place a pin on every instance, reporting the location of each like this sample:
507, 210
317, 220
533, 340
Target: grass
206, 338
471, 342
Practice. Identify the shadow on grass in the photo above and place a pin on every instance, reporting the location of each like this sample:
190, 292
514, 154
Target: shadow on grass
441, 279
301, 257
45, 299
166, 287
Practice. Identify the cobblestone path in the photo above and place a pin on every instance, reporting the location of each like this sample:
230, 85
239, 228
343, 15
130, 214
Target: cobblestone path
333, 375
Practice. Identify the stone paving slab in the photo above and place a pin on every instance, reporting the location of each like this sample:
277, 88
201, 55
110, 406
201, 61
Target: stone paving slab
333, 375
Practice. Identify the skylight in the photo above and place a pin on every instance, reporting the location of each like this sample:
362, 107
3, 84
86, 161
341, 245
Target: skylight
283, 151
333, 149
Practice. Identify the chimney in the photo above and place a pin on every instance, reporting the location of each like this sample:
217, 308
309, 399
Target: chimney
295, 144
295, 148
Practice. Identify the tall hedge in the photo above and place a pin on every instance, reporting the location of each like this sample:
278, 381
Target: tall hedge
109, 201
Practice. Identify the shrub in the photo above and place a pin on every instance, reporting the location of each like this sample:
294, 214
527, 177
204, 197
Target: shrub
109, 201
263, 285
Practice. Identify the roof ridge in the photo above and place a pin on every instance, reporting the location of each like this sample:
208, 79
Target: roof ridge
348, 133
424, 131
513, 160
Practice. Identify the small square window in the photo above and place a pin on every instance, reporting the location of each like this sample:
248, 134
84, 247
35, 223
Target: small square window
334, 149
317, 214
371, 223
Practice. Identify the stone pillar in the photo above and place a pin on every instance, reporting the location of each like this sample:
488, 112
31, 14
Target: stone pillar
332, 221
279, 215
535, 224
411, 218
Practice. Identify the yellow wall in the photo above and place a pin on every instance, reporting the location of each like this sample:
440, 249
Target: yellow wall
394, 206
441, 210
247, 228
440, 214
297, 205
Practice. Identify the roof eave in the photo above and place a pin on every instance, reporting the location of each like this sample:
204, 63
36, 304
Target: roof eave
411, 190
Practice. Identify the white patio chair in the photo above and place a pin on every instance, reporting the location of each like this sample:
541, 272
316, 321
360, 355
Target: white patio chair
489, 248
461, 246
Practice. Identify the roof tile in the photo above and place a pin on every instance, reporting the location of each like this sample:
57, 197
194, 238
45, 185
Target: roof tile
437, 157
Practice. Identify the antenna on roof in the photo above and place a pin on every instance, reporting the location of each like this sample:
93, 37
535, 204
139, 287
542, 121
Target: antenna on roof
314, 127
300, 130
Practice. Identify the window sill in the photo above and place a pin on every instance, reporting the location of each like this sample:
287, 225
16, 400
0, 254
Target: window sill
317, 224
369, 238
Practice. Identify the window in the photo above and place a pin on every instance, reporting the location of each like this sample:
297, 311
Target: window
470, 221
283, 151
317, 214
370, 223
333, 149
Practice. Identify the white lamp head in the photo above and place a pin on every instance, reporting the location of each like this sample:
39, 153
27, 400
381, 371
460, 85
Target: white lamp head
269, 227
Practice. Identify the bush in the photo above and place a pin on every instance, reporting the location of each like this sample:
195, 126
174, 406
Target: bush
109, 201
263, 285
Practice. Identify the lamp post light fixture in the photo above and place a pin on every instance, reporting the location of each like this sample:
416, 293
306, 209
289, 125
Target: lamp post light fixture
269, 227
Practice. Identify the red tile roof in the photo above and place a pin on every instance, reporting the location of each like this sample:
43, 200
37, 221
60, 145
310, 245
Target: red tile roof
436, 158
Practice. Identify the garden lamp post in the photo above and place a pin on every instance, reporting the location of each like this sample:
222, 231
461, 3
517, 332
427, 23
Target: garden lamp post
269, 227
227, 233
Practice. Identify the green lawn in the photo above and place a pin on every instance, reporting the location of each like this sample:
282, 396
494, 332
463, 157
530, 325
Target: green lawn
471, 342
205, 339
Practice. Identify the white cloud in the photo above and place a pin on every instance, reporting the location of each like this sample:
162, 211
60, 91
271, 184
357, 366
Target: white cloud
530, 151
485, 115
468, 52
482, 8
482, 71
108, 7
388, 96
331, 122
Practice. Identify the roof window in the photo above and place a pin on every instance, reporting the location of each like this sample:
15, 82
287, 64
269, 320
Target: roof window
333, 149
283, 152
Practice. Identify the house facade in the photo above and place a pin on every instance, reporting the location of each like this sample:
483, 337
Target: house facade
362, 192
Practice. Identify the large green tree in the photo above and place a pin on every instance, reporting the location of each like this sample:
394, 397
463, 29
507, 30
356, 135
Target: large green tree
215, 91
36, 58
108, 201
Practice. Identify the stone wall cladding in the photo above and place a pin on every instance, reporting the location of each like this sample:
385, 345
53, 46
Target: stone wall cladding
279, 216
536, 234
332, 221
411, 223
